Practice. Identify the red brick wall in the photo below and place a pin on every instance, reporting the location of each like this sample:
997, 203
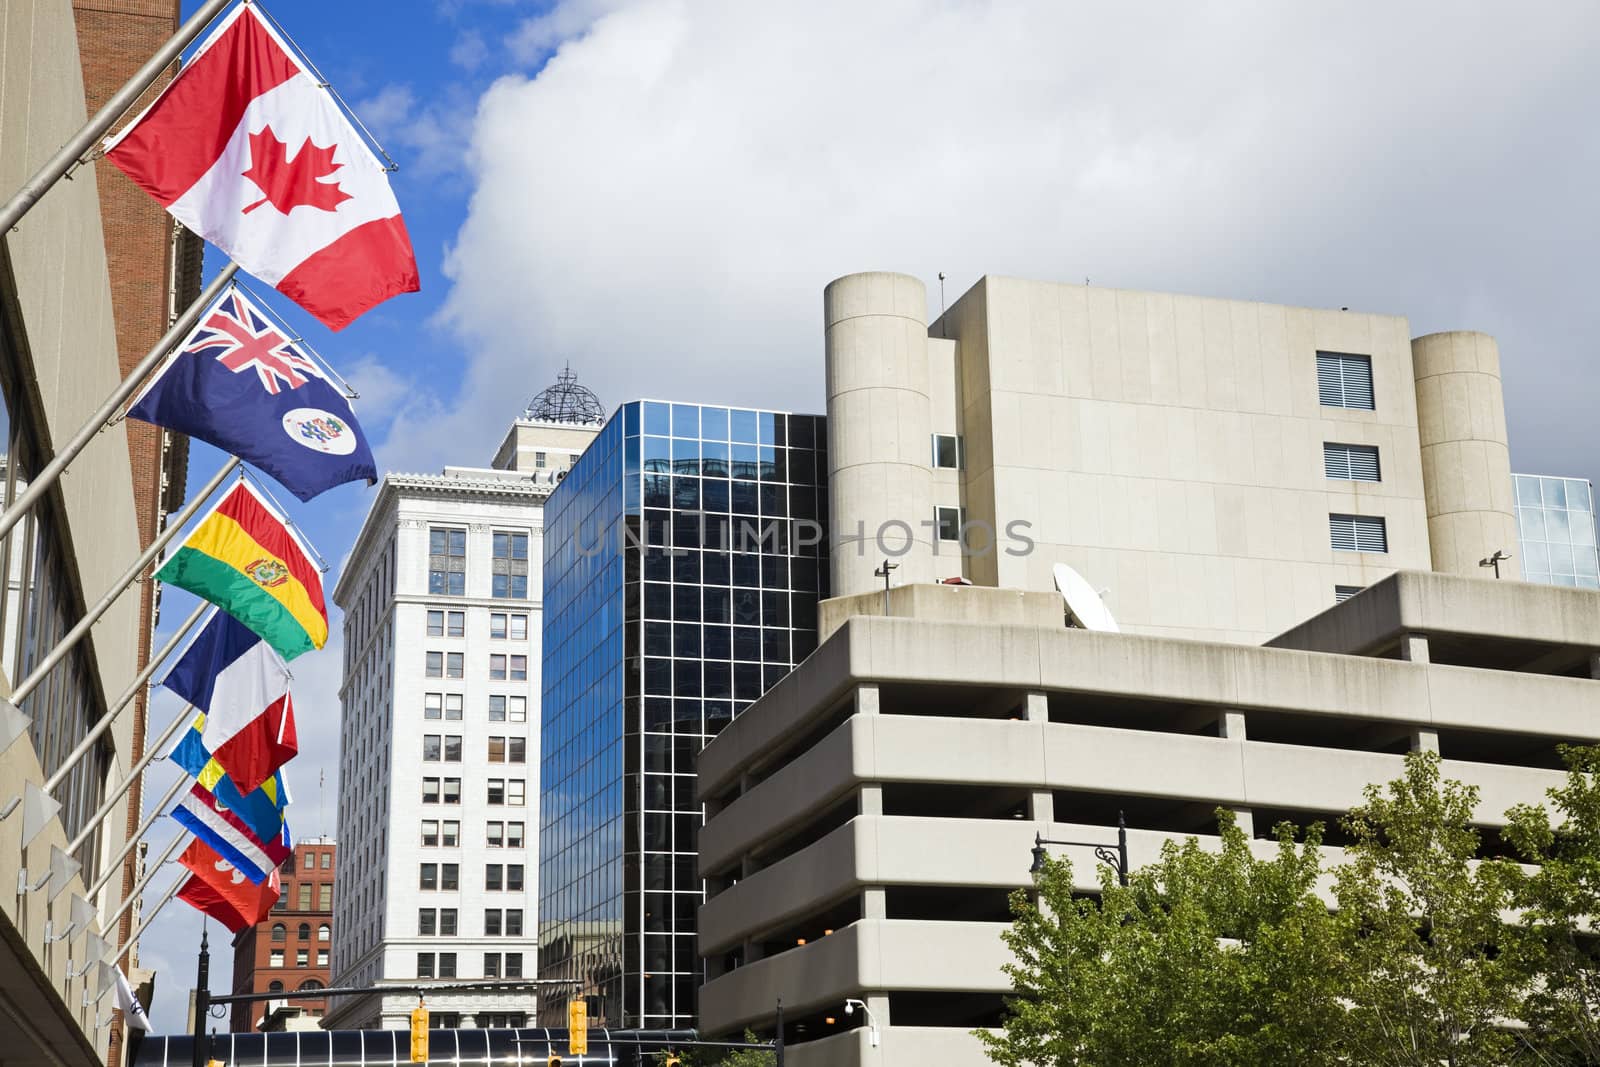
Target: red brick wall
115, 37
253, 971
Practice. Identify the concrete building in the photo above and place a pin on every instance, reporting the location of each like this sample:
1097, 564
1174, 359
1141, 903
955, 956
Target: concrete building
1224, 469
870, 813
291, 951
67, 325
684, 558
1557, 531
439, 774
1287, 508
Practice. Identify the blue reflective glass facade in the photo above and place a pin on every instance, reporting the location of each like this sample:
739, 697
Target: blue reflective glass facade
684, 558
1556, 527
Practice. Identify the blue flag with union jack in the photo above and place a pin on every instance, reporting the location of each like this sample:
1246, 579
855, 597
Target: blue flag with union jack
239, 383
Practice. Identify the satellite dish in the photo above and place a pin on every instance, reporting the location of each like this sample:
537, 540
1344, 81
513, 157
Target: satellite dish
1083, 603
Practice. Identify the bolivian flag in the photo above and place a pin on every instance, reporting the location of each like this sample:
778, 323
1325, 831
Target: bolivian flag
244, 558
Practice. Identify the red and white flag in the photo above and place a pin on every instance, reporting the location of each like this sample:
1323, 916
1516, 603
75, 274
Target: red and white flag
247, 149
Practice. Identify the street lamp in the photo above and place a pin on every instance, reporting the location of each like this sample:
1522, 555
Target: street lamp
1117, 860
872, 1024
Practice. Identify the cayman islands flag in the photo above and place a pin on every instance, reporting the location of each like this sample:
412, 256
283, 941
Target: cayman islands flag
261, 810
244, 558
246, 148
238, 383
241, 684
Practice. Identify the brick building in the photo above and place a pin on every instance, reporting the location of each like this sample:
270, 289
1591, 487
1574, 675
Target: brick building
290, 950
154, 269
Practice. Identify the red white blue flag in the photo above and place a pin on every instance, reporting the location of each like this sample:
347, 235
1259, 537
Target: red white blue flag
237, 382
247, 148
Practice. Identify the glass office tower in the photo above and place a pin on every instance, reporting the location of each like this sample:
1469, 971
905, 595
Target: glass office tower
685, 554
1556, 525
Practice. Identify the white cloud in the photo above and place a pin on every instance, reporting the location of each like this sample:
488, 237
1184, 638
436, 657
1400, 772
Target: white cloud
663, 203
469, 51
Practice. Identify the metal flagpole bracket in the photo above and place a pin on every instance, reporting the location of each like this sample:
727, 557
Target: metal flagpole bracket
38, 808
62, 869
13, 724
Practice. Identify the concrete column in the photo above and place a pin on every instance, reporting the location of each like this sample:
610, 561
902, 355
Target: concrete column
1042, 807
879, 1003
874, 903
1038, 707
1414, 647
1425, 740
880, 429
1232, 727
866, 700
1466, 462
1594, 665
752, 951
871, 800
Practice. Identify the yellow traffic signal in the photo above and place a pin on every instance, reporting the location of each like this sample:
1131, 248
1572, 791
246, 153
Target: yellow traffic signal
578, 1027
419, 1034
215, 1063
553, 1061
672, 1060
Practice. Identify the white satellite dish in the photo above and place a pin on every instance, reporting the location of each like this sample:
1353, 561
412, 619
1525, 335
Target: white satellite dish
1083, 603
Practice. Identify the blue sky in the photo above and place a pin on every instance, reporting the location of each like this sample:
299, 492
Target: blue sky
658, 190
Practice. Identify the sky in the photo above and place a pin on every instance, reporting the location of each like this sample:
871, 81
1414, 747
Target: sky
657, 191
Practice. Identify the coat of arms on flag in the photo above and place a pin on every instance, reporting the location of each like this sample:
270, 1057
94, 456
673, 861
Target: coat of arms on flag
247, 148
237, 382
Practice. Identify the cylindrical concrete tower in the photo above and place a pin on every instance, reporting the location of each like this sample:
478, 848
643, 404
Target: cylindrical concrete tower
1466, 462
880, 429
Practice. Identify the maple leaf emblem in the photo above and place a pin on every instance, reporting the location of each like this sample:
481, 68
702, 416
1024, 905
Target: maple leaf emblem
291, 183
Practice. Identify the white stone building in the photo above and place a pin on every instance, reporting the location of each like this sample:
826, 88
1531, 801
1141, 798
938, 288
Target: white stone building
439, 751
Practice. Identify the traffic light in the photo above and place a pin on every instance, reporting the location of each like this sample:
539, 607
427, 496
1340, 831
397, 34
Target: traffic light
419, 1034
672, 1059
553, 1061
578, 1027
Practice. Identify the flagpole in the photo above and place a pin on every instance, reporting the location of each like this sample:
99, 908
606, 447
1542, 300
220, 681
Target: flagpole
133, 839
122, 950
177, 332
113, 109
124, 700
116, 917
90, 617
152, 750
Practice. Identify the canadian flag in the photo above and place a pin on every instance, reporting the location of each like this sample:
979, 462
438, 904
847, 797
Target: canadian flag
246, 148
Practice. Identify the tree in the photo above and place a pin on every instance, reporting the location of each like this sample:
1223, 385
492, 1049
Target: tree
1429, 968
1560, 906
722, 1057
1204, 958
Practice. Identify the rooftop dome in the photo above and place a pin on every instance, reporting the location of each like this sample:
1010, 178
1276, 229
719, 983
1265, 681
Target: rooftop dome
566, 401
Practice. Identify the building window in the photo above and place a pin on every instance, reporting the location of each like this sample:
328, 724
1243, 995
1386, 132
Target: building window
1350, 463
494, 834
428, 876
430, 833
324, 932
447, 562
430, 790
449, 876
327, 861
497, 709
432, 746
519, 668
433, 705
275, 986
497, 750
280, 932
322, 961
424, 965
447, 965
538, 461
276, 958
497, 624
451, 836
516, 709
947, 523
452, 707
491, 965
452, 790
509, 566
513, 922
947, 451
1344, 381
434, 665
446, 1020
455, 624
513, 965
447, 922
1341, 593
325, 896
452, 748
454, 664
514, 877
302, 957
305, 898
493, 876
491, 922
435, 624
514, 834
516, 789
497, 791
1358, 533
304, 932
497, 668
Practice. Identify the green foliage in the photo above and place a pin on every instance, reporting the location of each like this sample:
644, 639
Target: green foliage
723, 1057
1204, 958
1560, 905
1427, 965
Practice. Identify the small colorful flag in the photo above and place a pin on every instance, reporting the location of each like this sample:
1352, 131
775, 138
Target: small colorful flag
230, 836
244, 558
238, 383
223, 892
247, 148
261, 810
243, 687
